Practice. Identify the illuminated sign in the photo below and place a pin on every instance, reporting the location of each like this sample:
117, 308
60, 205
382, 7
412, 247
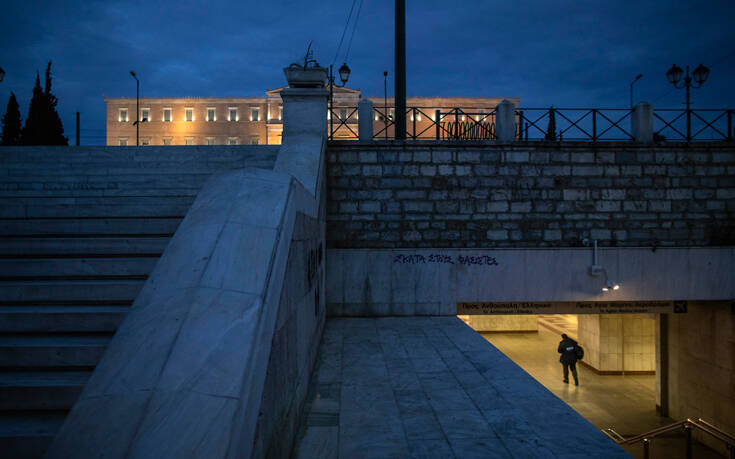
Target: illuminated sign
583, 307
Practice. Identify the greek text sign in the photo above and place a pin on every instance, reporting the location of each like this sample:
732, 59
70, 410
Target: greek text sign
580, 307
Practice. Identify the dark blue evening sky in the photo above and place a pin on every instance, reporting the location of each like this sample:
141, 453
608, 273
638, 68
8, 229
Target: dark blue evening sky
565, 53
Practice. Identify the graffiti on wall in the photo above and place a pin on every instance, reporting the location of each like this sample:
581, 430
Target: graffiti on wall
437, 258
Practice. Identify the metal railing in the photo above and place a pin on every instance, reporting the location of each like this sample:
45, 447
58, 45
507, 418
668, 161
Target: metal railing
693, 125
683, 426
574, 124
447, 123
540, 124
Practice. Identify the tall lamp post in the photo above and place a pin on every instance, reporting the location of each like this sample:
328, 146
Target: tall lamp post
400, 71
344, 75
137, 109
638, 77
700, 75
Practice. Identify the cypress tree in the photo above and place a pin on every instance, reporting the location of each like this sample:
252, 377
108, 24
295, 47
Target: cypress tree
11, 122
43, 125
32, 133
53, 128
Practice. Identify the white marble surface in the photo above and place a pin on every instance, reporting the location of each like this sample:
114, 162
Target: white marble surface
184, 375
373, 282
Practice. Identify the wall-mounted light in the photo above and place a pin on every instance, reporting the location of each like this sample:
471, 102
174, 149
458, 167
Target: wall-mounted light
596, 270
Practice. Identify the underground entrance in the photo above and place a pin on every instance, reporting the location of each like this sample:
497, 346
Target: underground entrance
631, 365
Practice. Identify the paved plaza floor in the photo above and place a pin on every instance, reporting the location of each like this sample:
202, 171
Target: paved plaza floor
429, 387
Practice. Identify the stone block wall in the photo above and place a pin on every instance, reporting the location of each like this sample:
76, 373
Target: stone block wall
433, 194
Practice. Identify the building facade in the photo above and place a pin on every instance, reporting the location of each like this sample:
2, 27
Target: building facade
259, 120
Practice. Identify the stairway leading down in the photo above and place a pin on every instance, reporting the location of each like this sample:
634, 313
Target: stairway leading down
65, 286
80, 231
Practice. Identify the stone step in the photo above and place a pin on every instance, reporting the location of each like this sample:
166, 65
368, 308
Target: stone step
41, 390
13, 247
146, 157
92, 226
32, 351
28, 435
75, 267
76, 207
88, 291
61, 319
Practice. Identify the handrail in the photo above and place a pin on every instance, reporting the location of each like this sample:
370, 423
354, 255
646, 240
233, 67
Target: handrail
686, 425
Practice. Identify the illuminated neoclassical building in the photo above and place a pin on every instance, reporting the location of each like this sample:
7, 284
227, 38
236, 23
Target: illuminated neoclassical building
259, 120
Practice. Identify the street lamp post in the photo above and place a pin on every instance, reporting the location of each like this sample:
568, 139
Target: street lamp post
137, 109
638, 77
700, 75
344, 75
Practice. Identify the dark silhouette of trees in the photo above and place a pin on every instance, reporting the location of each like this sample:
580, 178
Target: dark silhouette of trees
43, 124
11, 122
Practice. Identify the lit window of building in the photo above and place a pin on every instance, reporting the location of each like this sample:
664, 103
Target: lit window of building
232, 141
167, 115
145, 115
145, 141
211, 114
391, 114
123, 118
280, 113
188, 114
254, 114
210, 141
329, 115
343, 114
123, 142
233, 114
167, 140
189, 141
254, 141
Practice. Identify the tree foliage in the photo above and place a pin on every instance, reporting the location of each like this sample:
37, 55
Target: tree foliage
43, 125
11, 122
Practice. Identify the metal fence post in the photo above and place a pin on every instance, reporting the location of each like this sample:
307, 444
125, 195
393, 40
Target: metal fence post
413, 117
688, 430
646, 450
437, 119
594, 125
456, 123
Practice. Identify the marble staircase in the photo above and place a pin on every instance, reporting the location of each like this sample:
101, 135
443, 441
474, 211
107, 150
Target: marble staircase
65, 286
80, 231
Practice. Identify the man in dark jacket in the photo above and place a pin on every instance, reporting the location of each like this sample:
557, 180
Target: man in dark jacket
568, 350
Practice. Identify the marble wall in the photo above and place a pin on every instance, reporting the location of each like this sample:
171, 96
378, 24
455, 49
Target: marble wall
432, 281
618, 343
499, 323
701, 367
295, 343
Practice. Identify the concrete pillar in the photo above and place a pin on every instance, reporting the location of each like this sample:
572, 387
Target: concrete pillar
365, 119
304, 127
505, 121
641, 122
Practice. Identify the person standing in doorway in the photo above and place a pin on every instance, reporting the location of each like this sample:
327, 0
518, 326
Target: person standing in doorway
568, 350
